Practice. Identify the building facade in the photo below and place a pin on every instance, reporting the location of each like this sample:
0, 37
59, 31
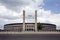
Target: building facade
29, 27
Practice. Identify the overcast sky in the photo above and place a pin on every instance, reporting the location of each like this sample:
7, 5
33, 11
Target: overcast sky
11, 11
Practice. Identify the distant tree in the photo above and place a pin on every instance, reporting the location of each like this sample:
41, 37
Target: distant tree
39, 26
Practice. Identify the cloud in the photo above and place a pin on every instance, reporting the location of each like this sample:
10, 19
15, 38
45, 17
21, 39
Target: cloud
8, 14
16, 5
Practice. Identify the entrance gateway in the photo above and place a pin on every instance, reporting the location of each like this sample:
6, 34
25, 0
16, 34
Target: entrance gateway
29, 28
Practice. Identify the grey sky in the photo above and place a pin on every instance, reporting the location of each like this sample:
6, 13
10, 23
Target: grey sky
11, 12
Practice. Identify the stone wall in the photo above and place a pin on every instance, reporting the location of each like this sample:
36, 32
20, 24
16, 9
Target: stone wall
28, 27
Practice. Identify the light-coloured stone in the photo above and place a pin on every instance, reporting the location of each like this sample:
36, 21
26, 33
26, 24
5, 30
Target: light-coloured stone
23, 20
35, 20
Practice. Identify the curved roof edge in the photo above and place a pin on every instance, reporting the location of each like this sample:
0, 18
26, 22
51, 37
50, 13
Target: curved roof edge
29, 23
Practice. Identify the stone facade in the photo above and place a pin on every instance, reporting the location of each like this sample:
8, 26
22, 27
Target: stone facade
28, 27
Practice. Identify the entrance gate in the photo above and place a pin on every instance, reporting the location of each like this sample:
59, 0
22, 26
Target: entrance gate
28, 28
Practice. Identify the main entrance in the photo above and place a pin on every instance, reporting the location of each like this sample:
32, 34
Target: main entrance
29, 28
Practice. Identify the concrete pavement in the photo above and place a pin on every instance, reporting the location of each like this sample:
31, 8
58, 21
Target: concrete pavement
29, 32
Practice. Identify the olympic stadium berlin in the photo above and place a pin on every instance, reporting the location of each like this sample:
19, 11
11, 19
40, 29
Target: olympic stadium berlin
29, 26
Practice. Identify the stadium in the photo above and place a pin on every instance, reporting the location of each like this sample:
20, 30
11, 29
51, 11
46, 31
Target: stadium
29, 27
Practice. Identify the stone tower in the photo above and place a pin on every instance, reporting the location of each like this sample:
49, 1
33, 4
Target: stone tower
35, 20
23, 20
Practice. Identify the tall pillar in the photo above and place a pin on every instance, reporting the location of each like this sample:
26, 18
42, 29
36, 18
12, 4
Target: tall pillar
23, 20
35, 20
